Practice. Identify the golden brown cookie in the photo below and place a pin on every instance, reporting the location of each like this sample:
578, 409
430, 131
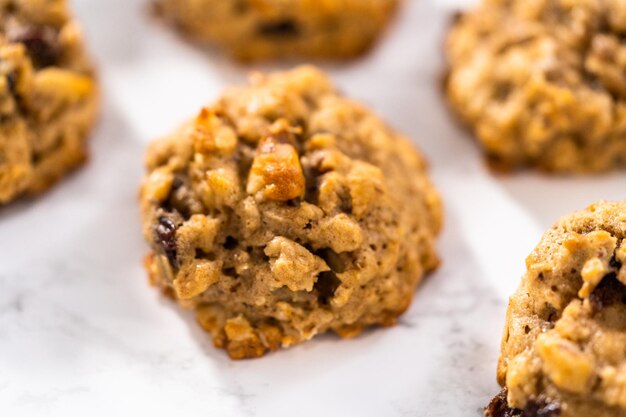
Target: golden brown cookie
48, 97
265, 29
564, 344
542, 83
285, 210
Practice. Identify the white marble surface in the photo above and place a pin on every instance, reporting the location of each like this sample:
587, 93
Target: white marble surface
81, 333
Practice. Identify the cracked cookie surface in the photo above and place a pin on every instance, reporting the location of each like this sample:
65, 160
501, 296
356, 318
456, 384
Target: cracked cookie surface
285, 210
266, 29
48, 97
563, 346
542, 83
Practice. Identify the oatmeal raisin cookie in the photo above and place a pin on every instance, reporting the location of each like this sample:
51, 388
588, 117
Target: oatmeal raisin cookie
265, 29
48, 96
285, 210
542, 83
563, 350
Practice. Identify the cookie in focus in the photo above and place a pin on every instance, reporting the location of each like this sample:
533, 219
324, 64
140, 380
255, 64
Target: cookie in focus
285, 210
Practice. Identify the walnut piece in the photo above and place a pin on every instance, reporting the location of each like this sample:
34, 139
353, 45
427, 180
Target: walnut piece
276, 167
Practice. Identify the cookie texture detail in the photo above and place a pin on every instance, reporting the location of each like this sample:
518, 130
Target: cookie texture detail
285, 210
48, 96
542, 83
563, 346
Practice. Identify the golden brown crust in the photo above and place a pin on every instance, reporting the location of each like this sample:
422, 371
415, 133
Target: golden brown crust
262, 29
48, 97
285, 210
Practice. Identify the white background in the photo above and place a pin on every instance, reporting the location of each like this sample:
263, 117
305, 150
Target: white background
82, 334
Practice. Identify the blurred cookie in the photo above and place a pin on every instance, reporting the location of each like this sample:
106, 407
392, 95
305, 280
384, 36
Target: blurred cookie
264, 29
542, 83
285, 210
563, 350
48, 97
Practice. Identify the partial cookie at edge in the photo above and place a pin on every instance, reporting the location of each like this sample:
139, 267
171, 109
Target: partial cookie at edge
563, 346
48, 96
257, 30
542, 84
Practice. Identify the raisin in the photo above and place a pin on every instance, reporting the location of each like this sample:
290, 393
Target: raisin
279, 29
610, 291
165, 237
541, 408
499, 407
41, 42
614, 263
